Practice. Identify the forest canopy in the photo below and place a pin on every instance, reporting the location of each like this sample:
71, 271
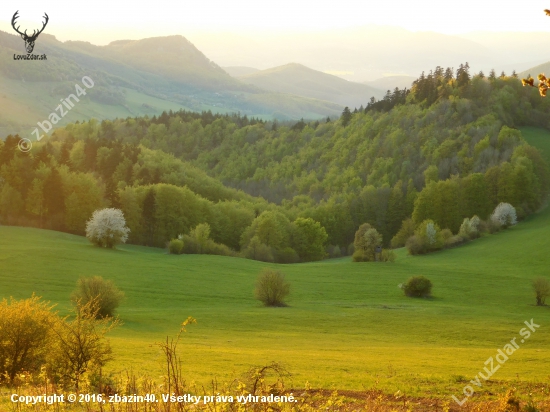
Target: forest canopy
447, 149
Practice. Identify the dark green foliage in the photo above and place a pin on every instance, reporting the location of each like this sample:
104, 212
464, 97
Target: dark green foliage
418, 287
308, 239
346, 116
108, 296
389, 101
271, 288
404, 233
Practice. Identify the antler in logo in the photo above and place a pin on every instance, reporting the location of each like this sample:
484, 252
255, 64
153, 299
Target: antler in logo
29, 40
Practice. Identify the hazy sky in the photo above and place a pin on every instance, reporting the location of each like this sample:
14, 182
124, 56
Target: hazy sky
103, 21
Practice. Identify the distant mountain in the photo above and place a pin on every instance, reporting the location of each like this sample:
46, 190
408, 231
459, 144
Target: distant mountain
132, 78
359, 54
535, 71
391, 82
174, 58
301, 80
237, 71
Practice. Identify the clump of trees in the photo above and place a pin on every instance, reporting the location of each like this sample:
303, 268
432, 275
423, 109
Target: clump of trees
34, 337
429, 237
418, 287
272, 237
198, 241
107, 228
271, 288
368, 246
105, 295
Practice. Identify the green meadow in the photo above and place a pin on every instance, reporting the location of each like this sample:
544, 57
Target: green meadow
347, 326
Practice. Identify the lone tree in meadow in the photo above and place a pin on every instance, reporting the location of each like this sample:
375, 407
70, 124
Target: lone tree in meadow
271, 288
107, 228
541, 287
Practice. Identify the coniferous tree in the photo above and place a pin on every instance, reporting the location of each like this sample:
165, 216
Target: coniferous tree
346, 116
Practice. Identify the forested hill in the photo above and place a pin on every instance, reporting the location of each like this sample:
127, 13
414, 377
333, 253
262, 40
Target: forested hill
453, 138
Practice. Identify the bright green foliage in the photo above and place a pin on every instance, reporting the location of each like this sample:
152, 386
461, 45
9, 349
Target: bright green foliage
367, 240
175, 246
271, 228
458, 133
308, 239
427, 238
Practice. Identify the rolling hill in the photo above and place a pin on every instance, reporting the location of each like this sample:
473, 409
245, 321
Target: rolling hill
348, 326
535, 71
298, 79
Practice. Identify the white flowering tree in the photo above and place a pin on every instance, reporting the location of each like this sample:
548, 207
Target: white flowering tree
107, 228
505, 215
431, 233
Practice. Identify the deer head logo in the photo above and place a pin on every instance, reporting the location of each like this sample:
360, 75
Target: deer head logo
29, 40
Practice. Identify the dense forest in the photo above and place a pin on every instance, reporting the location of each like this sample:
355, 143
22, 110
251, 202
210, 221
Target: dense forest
447, 149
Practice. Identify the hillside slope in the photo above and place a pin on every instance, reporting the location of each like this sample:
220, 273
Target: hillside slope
301, 80
339, 328
132, 78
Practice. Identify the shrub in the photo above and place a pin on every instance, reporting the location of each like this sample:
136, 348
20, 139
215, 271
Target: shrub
446, 234
198, 242
406, 231
271, 288
505, 215
470, 228
175, 246
454, 241
107, 228
387, 255
418, 286
107, 295
80, 344
25, 327
541, 287
415, 246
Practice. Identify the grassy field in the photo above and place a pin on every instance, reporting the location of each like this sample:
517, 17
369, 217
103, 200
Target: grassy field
348, 325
